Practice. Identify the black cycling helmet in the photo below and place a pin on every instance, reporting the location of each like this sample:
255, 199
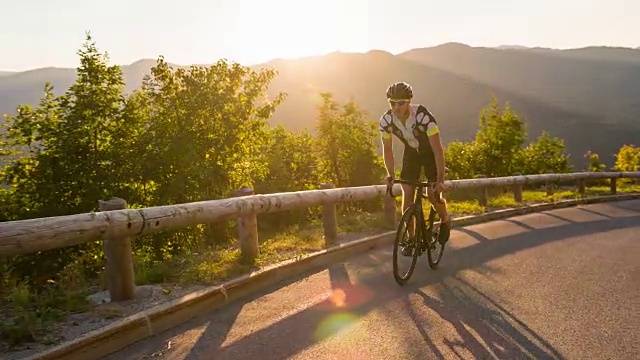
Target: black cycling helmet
399, 90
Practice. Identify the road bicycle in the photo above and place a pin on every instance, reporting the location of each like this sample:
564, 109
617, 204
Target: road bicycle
426, 231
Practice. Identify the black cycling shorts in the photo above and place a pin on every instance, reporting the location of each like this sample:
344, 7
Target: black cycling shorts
413, 162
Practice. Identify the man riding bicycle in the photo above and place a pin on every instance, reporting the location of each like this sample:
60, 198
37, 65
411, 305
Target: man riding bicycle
417, 129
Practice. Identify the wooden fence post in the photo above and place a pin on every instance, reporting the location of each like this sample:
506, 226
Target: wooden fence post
389, 209
549, 185
483, 193
517, 191
329, 218
581, 187
120, 275
248, 230
614, 186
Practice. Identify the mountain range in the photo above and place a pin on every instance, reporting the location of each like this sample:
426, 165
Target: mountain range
590, 97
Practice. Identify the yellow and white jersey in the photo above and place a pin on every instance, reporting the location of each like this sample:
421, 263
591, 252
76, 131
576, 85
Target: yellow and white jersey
415, 131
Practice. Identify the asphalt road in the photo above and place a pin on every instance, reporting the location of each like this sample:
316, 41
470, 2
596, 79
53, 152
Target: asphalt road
562, 284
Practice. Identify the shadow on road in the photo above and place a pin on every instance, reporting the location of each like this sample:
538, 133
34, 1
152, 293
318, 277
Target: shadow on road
597, 213
215, 334
460, 304
475, 234
485, 330
519, 223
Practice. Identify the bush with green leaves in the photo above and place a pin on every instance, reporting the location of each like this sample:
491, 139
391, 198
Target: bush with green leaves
498, 148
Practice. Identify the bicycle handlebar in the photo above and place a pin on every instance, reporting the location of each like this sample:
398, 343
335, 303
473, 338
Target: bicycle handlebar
419, 184
414, 183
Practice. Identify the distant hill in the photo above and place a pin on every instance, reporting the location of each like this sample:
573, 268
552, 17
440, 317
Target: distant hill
589, 96
595, 98
515, 47
581, 80
27, 87
602, 53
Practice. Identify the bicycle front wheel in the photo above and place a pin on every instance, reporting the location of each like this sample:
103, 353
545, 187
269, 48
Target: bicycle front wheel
405, 247
434, 248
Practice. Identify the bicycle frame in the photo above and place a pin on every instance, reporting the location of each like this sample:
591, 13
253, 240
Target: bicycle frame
425, 235
425, 225
424, 228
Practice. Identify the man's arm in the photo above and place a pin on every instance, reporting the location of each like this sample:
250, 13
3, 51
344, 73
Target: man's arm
387, 154
436, 144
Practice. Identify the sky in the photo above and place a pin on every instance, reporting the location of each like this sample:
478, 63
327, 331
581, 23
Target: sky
43, 33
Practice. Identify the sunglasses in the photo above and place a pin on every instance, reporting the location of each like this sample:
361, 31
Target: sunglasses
398, 102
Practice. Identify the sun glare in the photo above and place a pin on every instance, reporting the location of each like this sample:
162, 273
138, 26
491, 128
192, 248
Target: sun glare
288, 28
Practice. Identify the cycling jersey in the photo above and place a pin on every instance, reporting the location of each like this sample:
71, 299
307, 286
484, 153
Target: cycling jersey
414, 133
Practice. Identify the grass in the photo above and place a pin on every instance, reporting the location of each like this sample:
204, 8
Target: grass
215, 265
27, 315
32, 312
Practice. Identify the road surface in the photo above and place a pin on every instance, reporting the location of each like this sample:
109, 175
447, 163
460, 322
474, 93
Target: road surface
562, 284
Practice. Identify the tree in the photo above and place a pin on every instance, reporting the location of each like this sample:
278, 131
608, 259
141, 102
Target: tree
499, 140
545, 154
66, 146
292, 166
346, 144
205, 136
206, 131
70, 141
292, 163
628, 158
461, 160
593, 162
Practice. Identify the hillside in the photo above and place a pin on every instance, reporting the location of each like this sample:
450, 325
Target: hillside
27, 87
454, 98
598, 82
591, 103
600, 53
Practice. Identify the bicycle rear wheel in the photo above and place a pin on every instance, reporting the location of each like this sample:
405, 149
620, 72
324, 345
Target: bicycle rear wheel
410, 216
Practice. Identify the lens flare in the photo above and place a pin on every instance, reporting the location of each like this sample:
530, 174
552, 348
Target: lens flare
338, 298
340, 308
333, 324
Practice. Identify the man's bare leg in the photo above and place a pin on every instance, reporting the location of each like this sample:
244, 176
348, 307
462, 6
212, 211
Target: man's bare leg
440, 204
408, 194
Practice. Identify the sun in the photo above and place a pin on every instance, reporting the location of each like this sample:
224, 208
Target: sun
289, 29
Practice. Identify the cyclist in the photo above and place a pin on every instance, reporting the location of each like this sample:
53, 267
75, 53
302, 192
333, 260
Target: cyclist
417, 129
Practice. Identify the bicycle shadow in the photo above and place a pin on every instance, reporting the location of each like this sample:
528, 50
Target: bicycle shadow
479, 327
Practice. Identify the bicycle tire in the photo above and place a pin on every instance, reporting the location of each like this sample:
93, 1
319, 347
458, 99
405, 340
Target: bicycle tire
432, 243
411, 212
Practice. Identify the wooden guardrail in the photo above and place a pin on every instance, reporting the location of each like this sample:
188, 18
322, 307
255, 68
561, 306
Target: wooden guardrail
117, 225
